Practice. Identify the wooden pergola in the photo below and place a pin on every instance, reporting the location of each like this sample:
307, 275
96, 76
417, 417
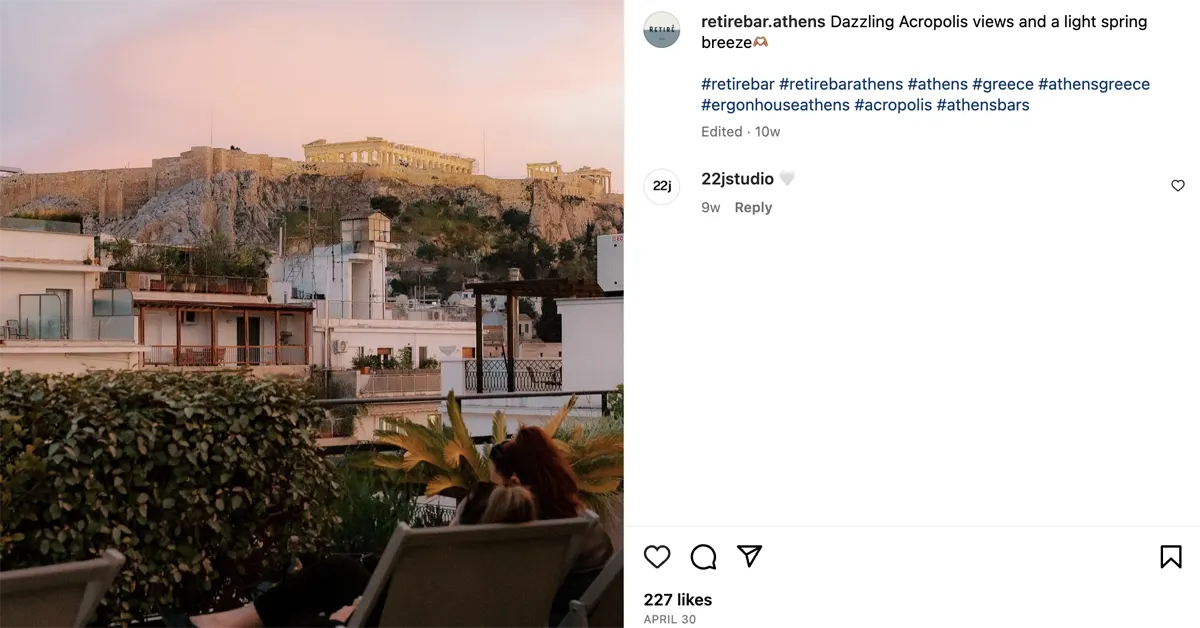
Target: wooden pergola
513, 291
214, 352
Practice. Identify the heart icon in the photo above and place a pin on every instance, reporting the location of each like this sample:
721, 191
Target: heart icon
786, 176
657, 555
1177, 184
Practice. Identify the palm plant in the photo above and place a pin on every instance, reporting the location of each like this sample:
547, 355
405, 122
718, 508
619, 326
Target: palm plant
442, 457
445, 459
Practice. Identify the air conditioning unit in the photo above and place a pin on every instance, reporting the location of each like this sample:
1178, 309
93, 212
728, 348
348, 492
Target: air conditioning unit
610, 264
339, 346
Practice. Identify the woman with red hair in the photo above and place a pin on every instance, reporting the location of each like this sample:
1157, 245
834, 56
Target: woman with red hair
530, 459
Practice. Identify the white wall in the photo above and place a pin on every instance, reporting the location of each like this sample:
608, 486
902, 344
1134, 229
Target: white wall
395, 335
328, 270
68, 361
160, 328
41, 245
593, 343
478, 415
15, 282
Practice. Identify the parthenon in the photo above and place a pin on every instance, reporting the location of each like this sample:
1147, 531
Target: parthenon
376, 150
553, 171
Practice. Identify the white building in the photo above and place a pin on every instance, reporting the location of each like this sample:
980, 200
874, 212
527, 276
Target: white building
346, 284
55, 316
593, 354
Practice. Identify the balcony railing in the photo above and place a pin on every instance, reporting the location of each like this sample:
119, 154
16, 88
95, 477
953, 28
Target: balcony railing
403, 382
203, 284
98, 328
379, 309
230, 357
46, 226
372, 425
528, 375
336, 427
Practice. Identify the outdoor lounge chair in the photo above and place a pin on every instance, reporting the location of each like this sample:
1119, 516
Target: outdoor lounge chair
468, 576
603, 604
57, 595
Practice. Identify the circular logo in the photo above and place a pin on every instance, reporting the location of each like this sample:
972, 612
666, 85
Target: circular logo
661, 30
662, 186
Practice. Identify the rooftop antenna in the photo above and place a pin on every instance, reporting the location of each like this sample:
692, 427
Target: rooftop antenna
210, 128
484, 164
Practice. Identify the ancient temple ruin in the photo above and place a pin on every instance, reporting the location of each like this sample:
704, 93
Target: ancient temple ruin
378, 151
553, 171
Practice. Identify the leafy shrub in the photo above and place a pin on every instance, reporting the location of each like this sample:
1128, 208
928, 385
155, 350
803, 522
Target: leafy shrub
616, 404
199, 479
373, 501
214, 254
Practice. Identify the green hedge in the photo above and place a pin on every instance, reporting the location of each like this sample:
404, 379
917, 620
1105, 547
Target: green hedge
199, 479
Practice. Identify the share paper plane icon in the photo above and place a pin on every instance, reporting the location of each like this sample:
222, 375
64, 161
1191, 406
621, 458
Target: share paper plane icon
750, 552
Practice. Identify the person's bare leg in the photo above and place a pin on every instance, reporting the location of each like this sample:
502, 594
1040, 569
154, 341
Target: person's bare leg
244, 617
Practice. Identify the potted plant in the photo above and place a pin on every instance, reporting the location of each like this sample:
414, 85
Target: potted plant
363, 363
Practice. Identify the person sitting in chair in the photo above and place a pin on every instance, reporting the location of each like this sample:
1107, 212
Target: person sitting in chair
327, 593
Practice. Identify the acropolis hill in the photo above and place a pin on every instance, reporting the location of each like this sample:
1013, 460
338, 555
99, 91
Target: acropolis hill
177, 199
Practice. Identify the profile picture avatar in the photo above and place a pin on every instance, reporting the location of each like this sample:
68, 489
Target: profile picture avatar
661, 30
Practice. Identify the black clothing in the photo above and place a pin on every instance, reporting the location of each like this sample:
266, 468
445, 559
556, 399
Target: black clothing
316, 590
326, 586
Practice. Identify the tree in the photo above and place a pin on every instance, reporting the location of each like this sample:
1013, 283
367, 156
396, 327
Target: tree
395, 287
428, 251
389, 205
516, 220
549, 325
440, 276
545, 255
525, 306
121, 251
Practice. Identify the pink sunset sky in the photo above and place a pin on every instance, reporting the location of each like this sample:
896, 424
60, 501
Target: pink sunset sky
104, 84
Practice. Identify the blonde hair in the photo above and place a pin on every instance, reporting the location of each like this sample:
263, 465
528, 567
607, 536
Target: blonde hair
509, 504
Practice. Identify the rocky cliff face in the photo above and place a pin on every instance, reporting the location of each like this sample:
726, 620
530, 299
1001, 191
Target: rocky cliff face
249, 205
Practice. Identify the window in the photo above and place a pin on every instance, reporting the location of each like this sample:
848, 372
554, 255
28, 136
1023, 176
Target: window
383, 351
424, 353
468, 352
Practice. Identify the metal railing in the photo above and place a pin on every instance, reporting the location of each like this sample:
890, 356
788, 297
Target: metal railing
203, 284
403, 382
337, 427
606, 399
231, 357
527, 376
380, 309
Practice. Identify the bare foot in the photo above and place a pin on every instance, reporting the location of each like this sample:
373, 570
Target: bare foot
244, 617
